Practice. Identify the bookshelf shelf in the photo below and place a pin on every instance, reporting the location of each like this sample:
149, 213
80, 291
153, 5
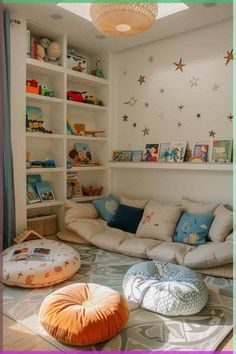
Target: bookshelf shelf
85, 138
86, 79
32, 171
86, 106
44, 136
33, 97
87, 199
89, 168
54, 203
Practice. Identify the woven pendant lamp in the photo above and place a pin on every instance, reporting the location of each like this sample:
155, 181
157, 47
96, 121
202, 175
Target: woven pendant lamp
123, 19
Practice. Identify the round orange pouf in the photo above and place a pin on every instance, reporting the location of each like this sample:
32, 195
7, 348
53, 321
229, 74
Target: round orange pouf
84, 314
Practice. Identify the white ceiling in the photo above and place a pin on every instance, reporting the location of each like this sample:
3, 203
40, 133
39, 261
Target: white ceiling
81, 32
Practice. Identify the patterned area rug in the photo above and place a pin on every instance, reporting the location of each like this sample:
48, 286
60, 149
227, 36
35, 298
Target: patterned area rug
145, 330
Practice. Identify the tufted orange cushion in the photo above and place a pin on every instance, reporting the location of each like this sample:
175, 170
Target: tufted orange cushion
84, 314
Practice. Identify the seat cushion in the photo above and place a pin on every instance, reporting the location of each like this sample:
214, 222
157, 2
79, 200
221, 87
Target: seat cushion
170, 252
165, 288
84, 314
222, 224
63, 262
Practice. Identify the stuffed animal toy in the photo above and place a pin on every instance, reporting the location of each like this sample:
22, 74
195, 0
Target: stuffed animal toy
92, 191
40, 52
54, 53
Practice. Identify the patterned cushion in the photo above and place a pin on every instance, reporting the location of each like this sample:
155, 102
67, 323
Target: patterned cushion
106, 207
63, 262
165, 288
84, 314
193, 229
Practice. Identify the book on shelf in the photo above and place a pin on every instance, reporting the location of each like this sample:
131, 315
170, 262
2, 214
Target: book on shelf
74, 188
117, 155
126, 155
84, 153
177, 151
45, 191
201, 151
137, 155
151, 153
164, 152
32, 195
222, 151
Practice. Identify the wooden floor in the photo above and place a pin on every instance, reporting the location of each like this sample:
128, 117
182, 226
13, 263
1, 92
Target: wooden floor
19, 338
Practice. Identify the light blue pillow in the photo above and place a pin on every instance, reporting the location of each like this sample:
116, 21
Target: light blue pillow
193, 229
107, 206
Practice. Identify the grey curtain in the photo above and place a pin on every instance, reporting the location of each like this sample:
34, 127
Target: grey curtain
8, 182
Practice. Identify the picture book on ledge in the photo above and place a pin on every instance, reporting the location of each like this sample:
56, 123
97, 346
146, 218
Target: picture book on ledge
222, 151
73, 186
151, 153
45, 191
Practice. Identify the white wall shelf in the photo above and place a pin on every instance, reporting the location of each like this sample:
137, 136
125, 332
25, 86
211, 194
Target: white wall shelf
40, 67
41, 98
53, 203
174, 166
89, 168
86, 106
86, 79
44, 136
85, 138
31, 171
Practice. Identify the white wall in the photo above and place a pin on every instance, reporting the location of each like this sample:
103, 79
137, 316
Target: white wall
203, 52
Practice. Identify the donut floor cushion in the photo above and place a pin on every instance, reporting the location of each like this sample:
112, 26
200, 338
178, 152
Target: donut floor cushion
84, 314
165, 288
62, 263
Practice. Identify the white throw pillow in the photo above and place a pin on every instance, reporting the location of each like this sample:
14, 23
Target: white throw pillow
159, 221
192, 207
222, 224
136, 203
80, 211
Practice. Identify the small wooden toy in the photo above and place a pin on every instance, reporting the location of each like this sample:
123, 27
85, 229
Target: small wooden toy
32, 86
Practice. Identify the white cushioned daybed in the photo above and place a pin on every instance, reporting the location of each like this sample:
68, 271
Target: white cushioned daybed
84, 221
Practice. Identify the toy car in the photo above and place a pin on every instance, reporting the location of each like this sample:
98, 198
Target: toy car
32, 86
45, 91
76, 96
48, 163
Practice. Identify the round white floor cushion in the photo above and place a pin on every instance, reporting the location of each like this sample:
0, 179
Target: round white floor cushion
165, 288
62, 263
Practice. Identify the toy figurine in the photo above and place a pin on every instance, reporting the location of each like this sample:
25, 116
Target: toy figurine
78, 67
98, 72
45, 91
54, 53
40, 52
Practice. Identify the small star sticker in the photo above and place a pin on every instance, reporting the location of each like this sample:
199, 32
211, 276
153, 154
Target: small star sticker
134, 125
212, 133
162, 91
229, 56
146, 104
179, 124
141, 79
145, 131
230, 117
124, 72
179, 65
198, 115
215, 87
181, 107
151, 59
132, 101
125, 118
161, 116
194, 81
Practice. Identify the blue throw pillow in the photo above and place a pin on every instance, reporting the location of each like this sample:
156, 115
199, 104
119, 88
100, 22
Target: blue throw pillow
107, 206
126, 218
193, 229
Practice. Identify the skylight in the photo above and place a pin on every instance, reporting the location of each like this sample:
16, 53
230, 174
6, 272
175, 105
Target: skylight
82, 9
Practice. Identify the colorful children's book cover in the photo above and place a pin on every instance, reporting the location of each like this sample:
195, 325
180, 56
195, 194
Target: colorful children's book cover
177, 151
164, 152
73, 181
39, 254
84, 153
32, 195
221, 151
126, 155
137, 155
45, 191
20, 254
34, 119
33, 179
201, 150
151, 153
117, 155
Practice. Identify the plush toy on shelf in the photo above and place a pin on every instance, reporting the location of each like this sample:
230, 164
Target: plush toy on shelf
98, 71
53, 50
40, 52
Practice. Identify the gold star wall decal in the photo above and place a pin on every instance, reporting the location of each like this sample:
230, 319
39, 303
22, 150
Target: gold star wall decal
198, 115
181, 107
212, 133
179, 65
179, 124
141, 79
125, 118
229, 56
145, 131
230, 117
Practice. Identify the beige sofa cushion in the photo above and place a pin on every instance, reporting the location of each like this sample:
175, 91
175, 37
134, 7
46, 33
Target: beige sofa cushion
136, 203
109, 239
87, 228
222, 224
192, 207
210, 255
159, 221
137, 247
170, 252
77, 211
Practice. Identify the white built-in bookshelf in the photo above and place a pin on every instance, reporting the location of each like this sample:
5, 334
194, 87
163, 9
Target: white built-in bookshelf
55, 110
